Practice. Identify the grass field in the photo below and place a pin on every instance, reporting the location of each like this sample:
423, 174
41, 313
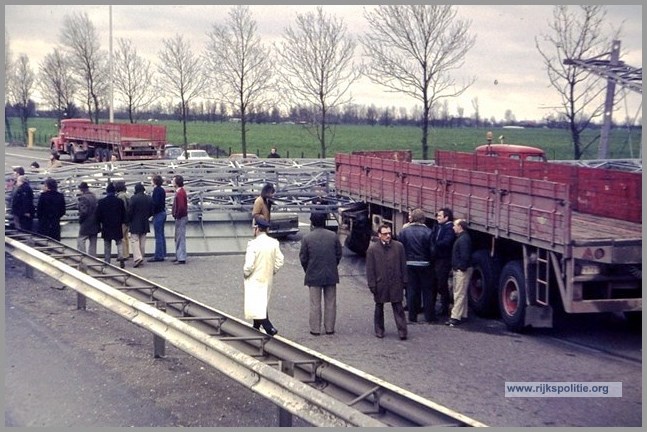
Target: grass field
294, 141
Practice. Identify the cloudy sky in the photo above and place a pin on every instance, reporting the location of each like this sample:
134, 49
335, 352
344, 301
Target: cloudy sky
504, 52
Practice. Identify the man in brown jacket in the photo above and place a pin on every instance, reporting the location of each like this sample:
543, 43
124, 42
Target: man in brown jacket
386, 274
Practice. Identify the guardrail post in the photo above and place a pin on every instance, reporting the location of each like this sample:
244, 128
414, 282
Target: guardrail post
285, 417
159, 343
80, 298
29, 271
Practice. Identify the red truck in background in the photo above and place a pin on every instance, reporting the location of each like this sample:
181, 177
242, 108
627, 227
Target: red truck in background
544, 234
82, 139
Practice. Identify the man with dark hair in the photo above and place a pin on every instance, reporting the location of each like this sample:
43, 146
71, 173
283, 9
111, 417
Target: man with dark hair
159, 218
50, 209
88, 225
386, 274
111, 214
22, 204
180, 213
320, 255
263, 258
139, 211
443, 238
273, 153
416, 238
462, 268
263, 204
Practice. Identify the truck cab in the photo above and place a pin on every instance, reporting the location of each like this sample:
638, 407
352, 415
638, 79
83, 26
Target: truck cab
512, 151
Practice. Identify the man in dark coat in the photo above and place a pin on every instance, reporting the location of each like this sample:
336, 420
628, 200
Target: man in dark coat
88, 226
140, 209
417, 241
320, 255
22, 204
50, 209
111, 214
386, 274
444, 237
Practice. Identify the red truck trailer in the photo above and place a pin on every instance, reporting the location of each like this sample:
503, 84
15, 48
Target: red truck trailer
545, 235
82, 139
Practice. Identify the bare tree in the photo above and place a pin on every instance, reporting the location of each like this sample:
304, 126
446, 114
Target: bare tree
56, 83
477, 112
88, 61
182, 75
239, 65
412, 49
575, 35
317, 67
23, 87
134, 80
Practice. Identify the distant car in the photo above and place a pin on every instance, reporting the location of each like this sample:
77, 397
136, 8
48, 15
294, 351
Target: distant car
195, 155
239, 156
172, 152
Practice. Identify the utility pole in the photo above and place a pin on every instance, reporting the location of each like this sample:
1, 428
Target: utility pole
603, 147
112, 95
615, 71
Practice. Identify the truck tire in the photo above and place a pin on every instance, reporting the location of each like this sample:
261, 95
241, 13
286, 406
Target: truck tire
482, 290
512, 296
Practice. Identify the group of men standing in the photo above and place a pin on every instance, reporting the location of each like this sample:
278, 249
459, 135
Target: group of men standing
119, 217
125, 220
419, 264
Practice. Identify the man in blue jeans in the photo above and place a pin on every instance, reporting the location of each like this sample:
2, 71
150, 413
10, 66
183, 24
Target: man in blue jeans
159, 218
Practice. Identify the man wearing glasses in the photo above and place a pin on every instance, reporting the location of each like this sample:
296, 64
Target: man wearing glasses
386, 274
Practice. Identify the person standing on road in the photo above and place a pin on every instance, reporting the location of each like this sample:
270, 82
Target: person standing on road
263, 259
111, 214
444, 237
50, 209
462, 268
416, 238
320, 255
159, 218
22, 204
180, 213
386, 274
122, 194
139, 211
88, 225
263, 204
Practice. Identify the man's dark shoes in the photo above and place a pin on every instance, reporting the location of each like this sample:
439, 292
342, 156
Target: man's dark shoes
137, 263
271, 331
330, 333
153, 259
122, 263
179, 262
315, 333
453, 322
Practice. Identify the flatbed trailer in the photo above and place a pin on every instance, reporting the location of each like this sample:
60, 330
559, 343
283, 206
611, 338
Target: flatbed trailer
535, 241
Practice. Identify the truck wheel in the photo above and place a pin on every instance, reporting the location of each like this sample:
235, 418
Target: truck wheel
512, 296
482, 292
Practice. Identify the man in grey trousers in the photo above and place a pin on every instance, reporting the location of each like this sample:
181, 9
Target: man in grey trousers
320, 255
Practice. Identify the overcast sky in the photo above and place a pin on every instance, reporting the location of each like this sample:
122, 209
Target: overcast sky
504, 52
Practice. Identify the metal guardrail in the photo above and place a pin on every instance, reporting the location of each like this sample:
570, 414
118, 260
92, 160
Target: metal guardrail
318, 389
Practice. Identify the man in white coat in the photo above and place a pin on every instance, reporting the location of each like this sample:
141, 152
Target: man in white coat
263, 258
